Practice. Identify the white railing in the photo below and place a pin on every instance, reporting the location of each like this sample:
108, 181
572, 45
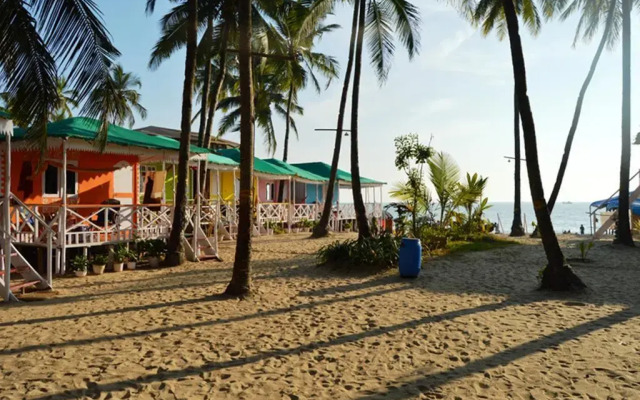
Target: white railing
273, 212
346, 211
154, 222
305, 212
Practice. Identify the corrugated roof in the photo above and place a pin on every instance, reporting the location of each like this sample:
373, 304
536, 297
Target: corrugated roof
259, 165
87, 129
324, 170
298, 172
175, 134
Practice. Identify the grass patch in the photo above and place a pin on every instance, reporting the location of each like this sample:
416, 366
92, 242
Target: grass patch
487, 243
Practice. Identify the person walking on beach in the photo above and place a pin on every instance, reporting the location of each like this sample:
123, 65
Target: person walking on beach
582, 229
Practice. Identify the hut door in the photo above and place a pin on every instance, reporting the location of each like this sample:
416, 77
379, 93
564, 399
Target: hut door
123, 183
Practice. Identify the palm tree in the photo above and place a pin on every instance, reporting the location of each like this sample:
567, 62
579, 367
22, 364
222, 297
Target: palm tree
383, 19
623, 229
592, 13
489, 15
557, 275
292, 36
38, 37
175, 249
66, 100
269, 98
116, 98
470, 193
240, 284
444, 174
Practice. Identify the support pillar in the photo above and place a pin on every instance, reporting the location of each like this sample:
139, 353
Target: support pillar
291, 206
7, 218
63, 218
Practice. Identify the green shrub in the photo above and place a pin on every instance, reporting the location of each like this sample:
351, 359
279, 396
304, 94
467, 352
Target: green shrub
584, 249
79, 263
156, 247
99, 259
120, 254
380, 252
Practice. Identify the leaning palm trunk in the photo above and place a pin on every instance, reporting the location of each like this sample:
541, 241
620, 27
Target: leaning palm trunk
578, 110
205, 88
557, 275
175, 250
623, 231
214, 95
322, 229
516, 227
240, 284
361, 213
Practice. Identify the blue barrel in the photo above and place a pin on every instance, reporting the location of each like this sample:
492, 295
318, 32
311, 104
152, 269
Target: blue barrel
410, 258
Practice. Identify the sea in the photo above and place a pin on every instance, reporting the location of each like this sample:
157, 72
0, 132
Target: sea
566, 216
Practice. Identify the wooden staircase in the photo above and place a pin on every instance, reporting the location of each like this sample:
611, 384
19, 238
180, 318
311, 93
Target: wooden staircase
29, 277
610, 222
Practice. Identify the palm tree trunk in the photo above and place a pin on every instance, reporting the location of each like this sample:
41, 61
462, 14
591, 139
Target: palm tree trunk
214, 94
175, 250
557, 275
206, 86
516, 227
240, 284
287, 131
361, 213
623, 231
322, 228
578, 109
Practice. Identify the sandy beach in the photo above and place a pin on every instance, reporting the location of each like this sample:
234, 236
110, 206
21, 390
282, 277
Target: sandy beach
471, 327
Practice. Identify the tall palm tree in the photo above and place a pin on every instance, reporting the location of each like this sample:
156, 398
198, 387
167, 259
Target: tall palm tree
623, 229
592, 13
240, 284
175, 249
490, 17
382, 19
557, 275
116, 98
322, 228
66, 99
43, 39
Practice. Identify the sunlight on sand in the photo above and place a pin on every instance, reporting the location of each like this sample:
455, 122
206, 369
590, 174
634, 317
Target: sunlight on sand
472, 326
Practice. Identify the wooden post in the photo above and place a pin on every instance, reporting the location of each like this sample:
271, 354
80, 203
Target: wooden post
164, 186
63, 217
173, 179
218, 200
196, 216
7, 218
49, 259
291, 207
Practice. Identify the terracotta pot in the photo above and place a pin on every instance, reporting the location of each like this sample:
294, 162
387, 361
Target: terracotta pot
154, 262
118, 267
80, 274
98, 269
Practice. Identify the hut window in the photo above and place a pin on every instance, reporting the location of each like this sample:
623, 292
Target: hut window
271, 188
52, 179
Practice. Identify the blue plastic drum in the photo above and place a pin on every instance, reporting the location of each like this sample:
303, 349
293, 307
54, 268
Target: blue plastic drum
410, 258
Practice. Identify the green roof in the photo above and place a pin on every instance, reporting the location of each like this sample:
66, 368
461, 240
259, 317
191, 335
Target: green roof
87, 129
220, 160
324, 170
298, 172
259, 165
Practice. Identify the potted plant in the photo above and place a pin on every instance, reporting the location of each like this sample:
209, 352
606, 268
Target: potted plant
296, 228
118, 258
131, 258
268, 226
347, 226
98, 263
156, 248
79, 265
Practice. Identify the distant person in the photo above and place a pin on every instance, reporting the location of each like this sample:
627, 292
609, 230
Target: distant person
582, 229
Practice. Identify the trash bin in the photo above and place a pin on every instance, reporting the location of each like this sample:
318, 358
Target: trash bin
410, 258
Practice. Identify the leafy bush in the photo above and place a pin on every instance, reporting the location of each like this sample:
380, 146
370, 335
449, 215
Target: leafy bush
79, 263
380, 251
120, 254
584, 249
156, 247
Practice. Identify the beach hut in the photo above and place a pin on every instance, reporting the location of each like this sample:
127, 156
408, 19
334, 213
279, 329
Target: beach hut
75, 196
343, 213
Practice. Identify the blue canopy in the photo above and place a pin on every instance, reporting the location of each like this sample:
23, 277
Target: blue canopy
612, 204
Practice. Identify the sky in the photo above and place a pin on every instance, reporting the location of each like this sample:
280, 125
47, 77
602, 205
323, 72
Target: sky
457, 94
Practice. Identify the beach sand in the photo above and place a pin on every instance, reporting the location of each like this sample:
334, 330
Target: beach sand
471, 326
